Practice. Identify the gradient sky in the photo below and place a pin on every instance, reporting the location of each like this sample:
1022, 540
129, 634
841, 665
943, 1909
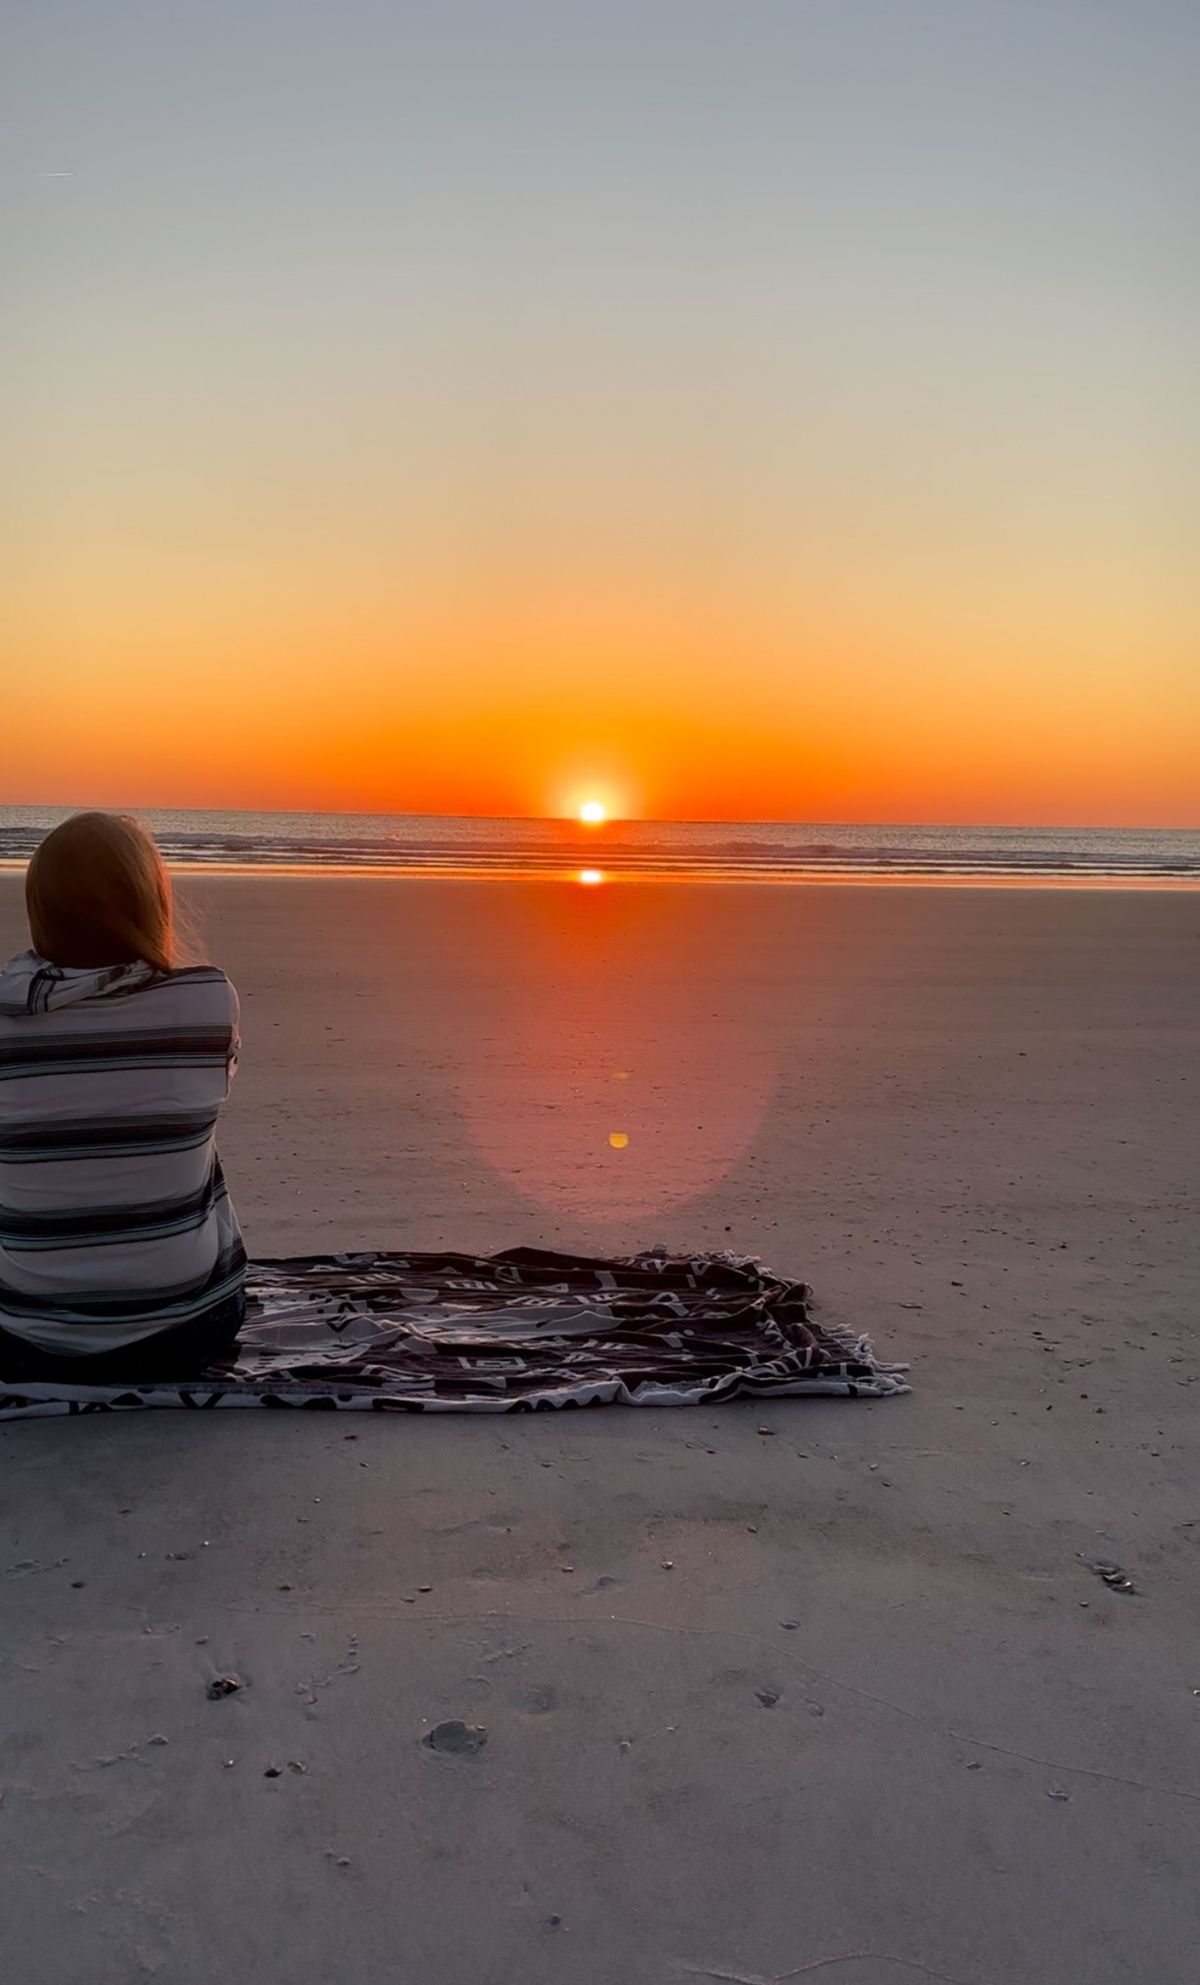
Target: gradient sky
761, 408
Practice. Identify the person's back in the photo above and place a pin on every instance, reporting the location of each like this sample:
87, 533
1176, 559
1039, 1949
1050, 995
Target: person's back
117, 1237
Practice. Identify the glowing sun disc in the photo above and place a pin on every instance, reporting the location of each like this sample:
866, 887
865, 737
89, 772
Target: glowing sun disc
592, 813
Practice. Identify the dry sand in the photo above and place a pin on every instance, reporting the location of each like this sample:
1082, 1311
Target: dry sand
969, 1119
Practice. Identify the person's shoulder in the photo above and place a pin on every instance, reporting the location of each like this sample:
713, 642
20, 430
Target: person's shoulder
197, 975
202, 988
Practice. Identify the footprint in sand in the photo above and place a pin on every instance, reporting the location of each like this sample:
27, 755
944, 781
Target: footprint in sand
455, 1738
537, 1700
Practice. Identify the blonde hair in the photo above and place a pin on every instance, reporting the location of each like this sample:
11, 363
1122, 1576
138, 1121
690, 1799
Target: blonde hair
97, 893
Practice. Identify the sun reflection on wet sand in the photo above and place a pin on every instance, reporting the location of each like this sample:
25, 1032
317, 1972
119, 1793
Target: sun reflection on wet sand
614, 987
590, 877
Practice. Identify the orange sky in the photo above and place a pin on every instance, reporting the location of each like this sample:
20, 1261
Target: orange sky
807, 442
723, 694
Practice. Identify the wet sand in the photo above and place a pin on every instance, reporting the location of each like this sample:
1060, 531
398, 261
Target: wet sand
880, 1719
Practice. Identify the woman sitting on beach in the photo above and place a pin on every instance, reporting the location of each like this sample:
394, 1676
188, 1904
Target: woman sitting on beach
120, 1253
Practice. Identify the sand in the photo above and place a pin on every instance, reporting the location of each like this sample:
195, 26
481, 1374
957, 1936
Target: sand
879, 1720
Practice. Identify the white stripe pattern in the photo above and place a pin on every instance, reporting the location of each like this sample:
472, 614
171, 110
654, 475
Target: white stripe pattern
115, 1221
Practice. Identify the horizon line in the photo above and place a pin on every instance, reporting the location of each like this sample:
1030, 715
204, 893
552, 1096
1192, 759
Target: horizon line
613, 820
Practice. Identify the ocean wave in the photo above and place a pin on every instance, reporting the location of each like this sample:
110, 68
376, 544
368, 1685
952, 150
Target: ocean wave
660, 850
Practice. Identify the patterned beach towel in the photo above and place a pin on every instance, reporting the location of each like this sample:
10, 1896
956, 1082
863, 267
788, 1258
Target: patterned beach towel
512, 1332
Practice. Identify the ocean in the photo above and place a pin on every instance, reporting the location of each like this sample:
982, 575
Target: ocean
658, 850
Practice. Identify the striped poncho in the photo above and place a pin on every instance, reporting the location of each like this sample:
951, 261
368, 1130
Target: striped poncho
115, 1222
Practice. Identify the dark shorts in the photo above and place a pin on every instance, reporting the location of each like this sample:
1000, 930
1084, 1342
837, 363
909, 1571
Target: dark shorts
181, 1352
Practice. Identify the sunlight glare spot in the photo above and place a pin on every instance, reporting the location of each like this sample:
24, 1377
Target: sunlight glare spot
591, 876
618, 1139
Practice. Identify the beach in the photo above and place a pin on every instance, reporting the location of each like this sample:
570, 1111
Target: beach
820, 1687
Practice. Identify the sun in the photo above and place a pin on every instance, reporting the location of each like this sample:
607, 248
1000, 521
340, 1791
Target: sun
593, 813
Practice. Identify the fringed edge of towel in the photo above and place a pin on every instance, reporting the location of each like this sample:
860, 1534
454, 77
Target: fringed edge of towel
41, 1401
